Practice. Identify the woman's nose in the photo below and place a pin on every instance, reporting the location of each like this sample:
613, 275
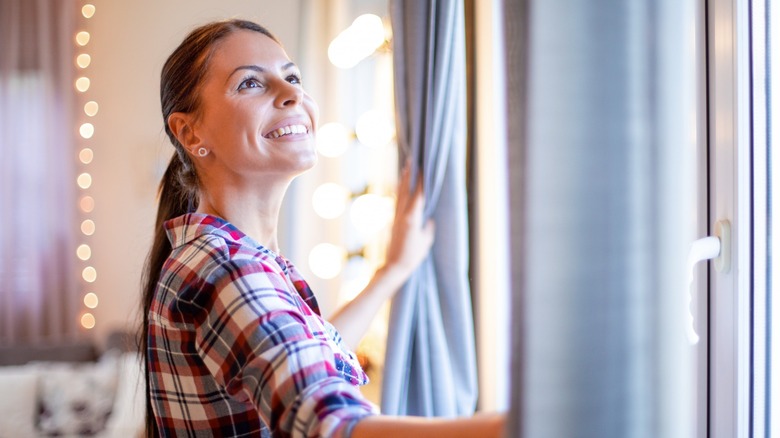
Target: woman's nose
289, 94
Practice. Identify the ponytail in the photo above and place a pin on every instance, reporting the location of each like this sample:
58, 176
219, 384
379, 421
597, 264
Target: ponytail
177, 197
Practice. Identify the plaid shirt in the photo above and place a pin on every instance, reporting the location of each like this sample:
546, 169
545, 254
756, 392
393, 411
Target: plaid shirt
237, 346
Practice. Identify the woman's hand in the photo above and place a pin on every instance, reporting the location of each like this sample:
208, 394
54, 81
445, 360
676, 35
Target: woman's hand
409, 244
411, 239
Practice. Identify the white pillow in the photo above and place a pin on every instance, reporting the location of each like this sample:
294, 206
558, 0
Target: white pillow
18, 408
129, 414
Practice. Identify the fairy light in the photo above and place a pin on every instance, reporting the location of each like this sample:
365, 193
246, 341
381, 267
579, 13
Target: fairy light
84, 252
87, 130
88, 321
91, 108
88, 227
84, 180
82, 84
83, 60
86, 155
89, 274
91, 300
88, 10
87, 204
82, 38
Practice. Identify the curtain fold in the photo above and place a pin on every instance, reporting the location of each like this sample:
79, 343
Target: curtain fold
38, 293
430, 365
603, 194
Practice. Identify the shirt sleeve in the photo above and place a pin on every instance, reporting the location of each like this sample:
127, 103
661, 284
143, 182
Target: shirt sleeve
258, 343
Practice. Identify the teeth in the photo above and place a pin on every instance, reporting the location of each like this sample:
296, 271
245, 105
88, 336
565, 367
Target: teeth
286, 130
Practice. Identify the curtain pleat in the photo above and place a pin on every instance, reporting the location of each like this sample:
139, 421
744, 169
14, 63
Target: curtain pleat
430, 366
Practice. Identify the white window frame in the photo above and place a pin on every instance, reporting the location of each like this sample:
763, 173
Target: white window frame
728, 77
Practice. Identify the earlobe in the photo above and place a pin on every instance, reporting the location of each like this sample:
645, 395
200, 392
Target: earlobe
180, 125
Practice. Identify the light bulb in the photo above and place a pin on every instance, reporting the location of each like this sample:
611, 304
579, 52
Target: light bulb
91, 300
87, 204
358, 41
91, 108
87, 130
88, 227
84, 180
82, 84
83, 60
330, 200
374, 129
332, 139
82, 38
89, 274
88, 321
84, 252
86, 155
88, 11
371, 213
326, 260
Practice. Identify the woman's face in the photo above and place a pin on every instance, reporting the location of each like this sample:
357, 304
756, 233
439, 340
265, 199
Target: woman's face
254, 117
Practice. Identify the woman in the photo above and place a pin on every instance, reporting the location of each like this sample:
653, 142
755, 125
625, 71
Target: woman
234, 342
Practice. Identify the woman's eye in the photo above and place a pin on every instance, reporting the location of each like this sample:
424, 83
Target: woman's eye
249, 83
294, 79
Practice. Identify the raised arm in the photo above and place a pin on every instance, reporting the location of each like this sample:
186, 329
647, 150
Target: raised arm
410, 243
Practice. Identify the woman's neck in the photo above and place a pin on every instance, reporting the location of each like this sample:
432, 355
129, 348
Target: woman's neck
253, 211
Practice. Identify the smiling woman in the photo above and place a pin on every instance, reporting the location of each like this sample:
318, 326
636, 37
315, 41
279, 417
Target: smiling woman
232, 333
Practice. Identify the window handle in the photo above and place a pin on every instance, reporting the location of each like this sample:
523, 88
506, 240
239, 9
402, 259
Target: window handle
716, 247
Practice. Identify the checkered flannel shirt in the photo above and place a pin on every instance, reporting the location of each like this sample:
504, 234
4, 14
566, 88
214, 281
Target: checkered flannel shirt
237, 346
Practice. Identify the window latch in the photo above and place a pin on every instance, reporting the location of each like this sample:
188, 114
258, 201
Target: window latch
717, 247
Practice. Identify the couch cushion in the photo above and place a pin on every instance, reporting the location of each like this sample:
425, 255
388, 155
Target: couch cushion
18, 404
76, 399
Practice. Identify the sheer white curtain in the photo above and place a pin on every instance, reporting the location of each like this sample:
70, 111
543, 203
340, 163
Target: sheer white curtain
38, 289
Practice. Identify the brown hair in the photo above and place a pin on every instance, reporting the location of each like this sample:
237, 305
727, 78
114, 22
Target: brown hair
180, 82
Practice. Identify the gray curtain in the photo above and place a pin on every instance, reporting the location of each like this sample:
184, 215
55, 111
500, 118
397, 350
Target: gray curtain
430, 367
602, 194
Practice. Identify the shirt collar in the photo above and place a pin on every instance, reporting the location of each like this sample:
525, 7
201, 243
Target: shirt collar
186, 228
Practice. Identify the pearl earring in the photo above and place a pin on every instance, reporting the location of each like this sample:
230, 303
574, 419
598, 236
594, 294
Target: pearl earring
202, 152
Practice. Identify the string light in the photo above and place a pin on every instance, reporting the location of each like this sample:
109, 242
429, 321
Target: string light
87, 130
82, 38
86, 155
87, 204
89, 274
91, 300
88, 10
82, 84
88, 227
91, 108
83, 60
84, 180
84, 252
88, 321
